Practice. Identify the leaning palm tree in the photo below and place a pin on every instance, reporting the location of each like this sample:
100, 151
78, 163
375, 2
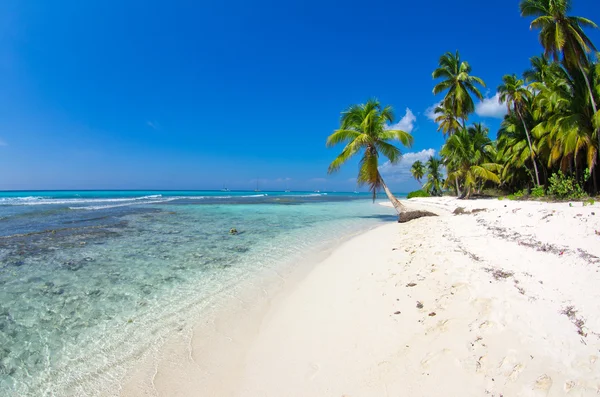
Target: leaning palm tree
458, 84
418, 170
434, 177
365, 129
562, 34
514, 94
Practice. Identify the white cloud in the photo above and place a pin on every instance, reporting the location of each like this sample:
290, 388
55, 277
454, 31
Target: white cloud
286, 179
318, 180
491, 107
401, 171
406, 123
3, 143
429, 112
153, 124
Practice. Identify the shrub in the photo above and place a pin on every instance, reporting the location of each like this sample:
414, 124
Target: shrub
589, 202
565, 187
516, 195
418, 193
537, 192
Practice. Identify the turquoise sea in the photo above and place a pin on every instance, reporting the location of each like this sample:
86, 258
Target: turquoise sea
90, 279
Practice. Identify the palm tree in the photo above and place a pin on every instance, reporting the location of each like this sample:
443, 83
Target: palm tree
365, 128
568, 129
540, 69
513, 152
562, 34
514, 94
469, 155
434, 177
418, 170
446, 120
458, 83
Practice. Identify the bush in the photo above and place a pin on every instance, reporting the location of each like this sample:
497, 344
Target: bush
418, 193
516, 195
537, 192
565, 187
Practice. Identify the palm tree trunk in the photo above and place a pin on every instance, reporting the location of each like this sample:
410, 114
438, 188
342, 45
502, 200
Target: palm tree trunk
457, 186
395, 202
537, 176
589, 87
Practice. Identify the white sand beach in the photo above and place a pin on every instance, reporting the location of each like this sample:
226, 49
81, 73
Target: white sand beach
499, 302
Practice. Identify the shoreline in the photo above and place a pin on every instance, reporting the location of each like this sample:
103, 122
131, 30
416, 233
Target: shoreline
503, 301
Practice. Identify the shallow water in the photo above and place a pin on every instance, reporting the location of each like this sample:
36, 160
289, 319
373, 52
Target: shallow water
91, 280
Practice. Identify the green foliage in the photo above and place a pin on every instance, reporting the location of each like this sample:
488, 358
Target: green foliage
365, 129
564, 187
537, 192
589, 202
418, 193
516, 195
435, 181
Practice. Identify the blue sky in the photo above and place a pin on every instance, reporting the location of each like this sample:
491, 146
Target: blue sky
193, 94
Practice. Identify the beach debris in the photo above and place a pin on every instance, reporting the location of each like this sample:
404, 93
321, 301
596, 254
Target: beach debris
398, 312
499, 273
431, 314
411, 215
419, 305
233, 230
462, 211
459, 211
571, 313
411, 284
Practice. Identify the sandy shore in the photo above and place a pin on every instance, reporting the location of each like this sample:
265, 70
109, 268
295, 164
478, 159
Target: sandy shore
504, 301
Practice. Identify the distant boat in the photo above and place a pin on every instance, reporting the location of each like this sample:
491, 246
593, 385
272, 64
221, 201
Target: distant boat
225, 189
317, 191
256, 190
355, 192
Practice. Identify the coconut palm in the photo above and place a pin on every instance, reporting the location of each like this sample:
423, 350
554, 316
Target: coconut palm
569, 128
435, 179
469, 155
365, 129
513, 152
458, 84
418, 170
514, 94
446, 119
562, 34
540, 69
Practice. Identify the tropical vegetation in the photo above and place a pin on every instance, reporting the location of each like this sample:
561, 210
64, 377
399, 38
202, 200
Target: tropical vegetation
365, 130
417, 193
548, 141
418, 171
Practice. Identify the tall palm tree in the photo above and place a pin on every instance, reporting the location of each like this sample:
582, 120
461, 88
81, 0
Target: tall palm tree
514, 94
569, 126
469, 154
365, 128
418, 170
562, 34
458, 84
435, 180
513, 152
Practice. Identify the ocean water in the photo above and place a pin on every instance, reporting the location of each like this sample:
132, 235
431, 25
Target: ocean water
90, 280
